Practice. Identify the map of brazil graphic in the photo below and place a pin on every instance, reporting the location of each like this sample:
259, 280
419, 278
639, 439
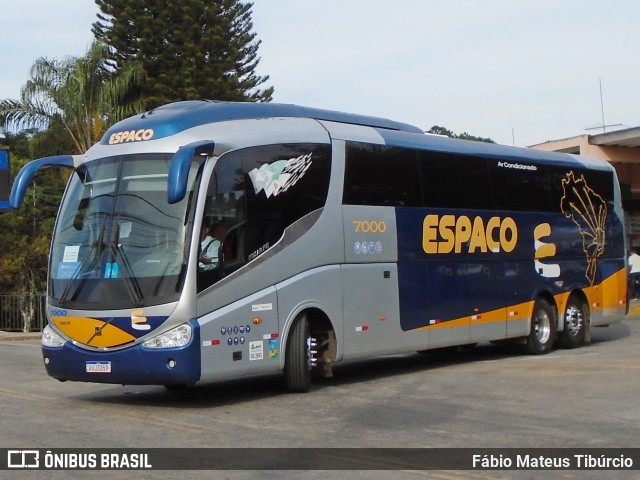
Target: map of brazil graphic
588, 211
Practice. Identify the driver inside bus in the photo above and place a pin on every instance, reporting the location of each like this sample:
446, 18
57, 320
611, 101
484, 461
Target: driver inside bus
210, 242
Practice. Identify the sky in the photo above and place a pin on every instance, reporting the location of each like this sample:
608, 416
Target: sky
518, 71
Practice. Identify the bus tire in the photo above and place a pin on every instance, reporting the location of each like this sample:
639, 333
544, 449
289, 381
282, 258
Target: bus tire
575, 324
297, 371
543, 328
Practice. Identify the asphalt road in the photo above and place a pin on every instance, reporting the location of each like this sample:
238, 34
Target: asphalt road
484, 397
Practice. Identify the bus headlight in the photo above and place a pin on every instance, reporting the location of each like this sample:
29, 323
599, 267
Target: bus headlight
174, 338
51, 339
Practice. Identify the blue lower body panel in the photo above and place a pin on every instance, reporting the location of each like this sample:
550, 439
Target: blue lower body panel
135, 365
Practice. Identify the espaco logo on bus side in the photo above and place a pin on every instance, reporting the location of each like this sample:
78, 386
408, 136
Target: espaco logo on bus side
450, 233
131, 136
580, 203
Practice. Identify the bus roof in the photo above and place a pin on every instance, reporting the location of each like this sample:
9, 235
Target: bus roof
175, 117
491, 150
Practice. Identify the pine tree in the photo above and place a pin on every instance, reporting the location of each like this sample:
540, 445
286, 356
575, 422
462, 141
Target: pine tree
189, 49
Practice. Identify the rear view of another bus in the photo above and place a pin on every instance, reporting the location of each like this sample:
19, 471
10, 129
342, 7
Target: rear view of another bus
5, 181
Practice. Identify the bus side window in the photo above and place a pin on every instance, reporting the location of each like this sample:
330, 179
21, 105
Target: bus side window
383, 176
455, 181
259, 192
525, 188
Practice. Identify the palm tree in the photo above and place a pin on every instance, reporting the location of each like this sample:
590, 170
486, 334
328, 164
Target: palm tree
82, 93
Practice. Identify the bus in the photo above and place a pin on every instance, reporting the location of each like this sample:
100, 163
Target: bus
5, 181
209, 240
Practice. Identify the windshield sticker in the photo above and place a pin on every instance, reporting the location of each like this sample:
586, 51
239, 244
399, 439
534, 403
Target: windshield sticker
67, 270
71, 253
111, 270
275, 178
125, 229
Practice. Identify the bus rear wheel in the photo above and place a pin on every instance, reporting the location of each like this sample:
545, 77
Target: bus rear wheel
543, 328
297, 366
575, 324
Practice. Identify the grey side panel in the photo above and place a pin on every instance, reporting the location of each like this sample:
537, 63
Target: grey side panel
518, 328
372, 312
371, 287
370, 234
241, 338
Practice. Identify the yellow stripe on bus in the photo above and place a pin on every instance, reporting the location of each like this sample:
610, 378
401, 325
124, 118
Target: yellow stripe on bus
610, 295
92, 332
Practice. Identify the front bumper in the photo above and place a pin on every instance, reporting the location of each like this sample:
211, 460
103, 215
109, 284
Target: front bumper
134, 365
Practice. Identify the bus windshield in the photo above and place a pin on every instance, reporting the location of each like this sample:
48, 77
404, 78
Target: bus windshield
118, 242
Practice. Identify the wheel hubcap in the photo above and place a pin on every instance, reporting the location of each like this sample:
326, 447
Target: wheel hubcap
542, 327
573, 320
312, 352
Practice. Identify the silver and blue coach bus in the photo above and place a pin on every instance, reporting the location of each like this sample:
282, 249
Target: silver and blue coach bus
206, 240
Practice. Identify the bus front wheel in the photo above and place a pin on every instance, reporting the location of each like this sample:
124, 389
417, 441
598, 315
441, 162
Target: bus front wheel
543, 328
297, 368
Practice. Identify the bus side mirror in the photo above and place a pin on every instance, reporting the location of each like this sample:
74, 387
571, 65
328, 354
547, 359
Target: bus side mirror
180, 166
26, 174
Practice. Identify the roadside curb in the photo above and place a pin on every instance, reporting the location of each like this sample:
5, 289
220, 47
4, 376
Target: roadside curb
634, 309
18, 336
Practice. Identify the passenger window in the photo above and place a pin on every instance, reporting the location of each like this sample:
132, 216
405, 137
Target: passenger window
381, 175
520, 186
455, 181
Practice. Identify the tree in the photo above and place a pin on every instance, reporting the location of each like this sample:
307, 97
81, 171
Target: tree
189, 49
52, 141
437, 130
80, 94
26, 233
34, 143
17, 143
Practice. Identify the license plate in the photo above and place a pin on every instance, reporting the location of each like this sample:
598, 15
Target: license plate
98, 367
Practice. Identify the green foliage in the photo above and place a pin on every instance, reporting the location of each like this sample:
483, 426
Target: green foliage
52, 141
189, 49
26, 233
437, 130
17, 143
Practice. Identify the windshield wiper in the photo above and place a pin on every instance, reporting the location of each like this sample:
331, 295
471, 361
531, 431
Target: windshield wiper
77, 272
133, 286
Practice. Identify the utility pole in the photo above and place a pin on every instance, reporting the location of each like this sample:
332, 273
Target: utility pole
604, 125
